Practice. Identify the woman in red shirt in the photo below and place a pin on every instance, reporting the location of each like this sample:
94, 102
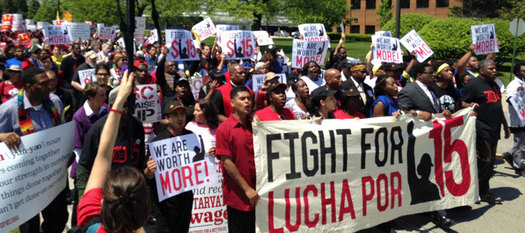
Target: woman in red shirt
11, 86
275, 111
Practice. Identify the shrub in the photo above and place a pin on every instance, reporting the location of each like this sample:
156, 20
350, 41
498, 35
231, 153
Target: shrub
408, 22
349, 36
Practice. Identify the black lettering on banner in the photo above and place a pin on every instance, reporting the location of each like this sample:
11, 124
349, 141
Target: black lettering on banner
314, 153
382, 162
343, 133
271, 155
396, 146
327, 150
293, 173
364, 146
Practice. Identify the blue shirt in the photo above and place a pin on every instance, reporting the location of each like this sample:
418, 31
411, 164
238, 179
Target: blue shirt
391, 106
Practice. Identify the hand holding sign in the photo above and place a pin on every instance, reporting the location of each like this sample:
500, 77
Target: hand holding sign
484, 37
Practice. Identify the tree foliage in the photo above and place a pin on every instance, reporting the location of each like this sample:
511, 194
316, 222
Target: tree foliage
329, 13
46, 12
485, 8
384, 11
408, 22
517, 10
13, 6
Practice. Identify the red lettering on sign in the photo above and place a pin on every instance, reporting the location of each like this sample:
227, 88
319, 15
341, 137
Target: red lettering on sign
174, 46
297, 217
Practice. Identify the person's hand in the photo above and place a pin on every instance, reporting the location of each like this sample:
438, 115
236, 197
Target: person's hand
11, 139
151, 167
252, 196
472, 47
164, 50
424, 115
447, 114
473, 113
211, 151
413, 112
301, 36
125, 89
214, 84
396, 113
413, 53
317, 119
222, 56
520, 88
343, 36
507, 132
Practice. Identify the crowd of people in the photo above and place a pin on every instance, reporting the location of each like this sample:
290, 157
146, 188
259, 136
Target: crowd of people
40, 89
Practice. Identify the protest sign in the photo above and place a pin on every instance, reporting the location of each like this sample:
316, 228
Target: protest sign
305, 51
181, 47
121, 42
196, 83
19, 24
518, 103
31, 27
7, 22
348, 175
59, 22
32, 176
258, 80
412, 41
204, 28
387, 49
154, 37
237, 44
263, 38
140, 27
25, 38
41, 25
484, 37
226, 27
79, 31
181, 165
383, 33
56, 34
313, 32
86, 76
147, 103
107, 33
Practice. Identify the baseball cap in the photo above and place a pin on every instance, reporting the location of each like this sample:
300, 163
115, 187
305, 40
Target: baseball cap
171, 105
276, 87
91, 55
321, 93
15, 68
270, 76
182, 81
137, 63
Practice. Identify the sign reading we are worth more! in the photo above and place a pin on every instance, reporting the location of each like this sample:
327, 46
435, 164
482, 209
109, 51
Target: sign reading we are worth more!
181, 46
346, 176
484, 37
387, 49
181, 165
313, 32
304, 51
237, 44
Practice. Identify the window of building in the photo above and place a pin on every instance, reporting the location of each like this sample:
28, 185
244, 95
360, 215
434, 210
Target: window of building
422, 3
370, 4
441, 3
370, 29
355, 29
405, 4
356, 4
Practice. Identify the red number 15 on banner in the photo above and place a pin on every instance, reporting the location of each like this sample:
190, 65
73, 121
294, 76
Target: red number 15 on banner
244, 50
178, 52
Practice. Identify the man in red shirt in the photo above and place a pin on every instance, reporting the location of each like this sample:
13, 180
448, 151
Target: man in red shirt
275, 111
234, 145
221, 98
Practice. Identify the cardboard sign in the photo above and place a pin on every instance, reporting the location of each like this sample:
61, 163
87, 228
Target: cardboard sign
263, 38
181, 165
258, 81
34, 174
383, 33
387, 49
80, 31
147, 103
56, 34
204, 29
237, 44
484, 37
349, 175
86, 76
181, 46
7, 22
304, 51
313, 32
140, 27
226, 27
412, 41
107, 33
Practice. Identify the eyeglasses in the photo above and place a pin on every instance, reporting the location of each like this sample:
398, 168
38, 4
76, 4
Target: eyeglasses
105, 74
140, 70
428, 72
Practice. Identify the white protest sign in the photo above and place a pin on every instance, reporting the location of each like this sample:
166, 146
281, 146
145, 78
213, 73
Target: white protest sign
154, 37
181, 46
41, 25
412, 41
86, 76
376, 170
121, 42
107, 33
32, 176
196, 83
258, 81
383, 33
518, 103
484, 37
204, 28
226, 27
263, 38
305, 51
79, 31
19, 24
313, 32
56, 34
237, 44
31, 27
387, 49
147, 103
140, 23
181, 165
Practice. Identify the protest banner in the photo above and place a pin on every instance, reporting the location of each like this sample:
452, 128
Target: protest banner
41, 25
32, 176
258, 80
226, 27
86, 76
387, 49
25, 38
56, 34
237, 44
518, 103
181, 165
412, 41
263, 38
313, 32
484, 37
147, 103
305, 51
204, 29
140, 27
383, 33
79, 31
181, 47
348, 175
19, 24
7, 22
107, 33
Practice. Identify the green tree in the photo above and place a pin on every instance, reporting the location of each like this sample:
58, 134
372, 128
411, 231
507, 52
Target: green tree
329, 13
408, 22
177, 13
32, 8
13, 6
518, 10
46, 12
384, 11
484, 8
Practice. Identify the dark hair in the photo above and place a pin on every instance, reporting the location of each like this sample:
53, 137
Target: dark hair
419, 68
91, 88
126, 206
238, 89
100, 66
28, 75
380, 87
261, 98
210, 113
306, 65
215, 74
516, 68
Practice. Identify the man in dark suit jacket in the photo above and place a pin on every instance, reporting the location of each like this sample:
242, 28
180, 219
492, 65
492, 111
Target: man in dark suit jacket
356, 81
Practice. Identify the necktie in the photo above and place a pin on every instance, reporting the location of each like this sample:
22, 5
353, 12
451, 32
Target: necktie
435, 101
362, 93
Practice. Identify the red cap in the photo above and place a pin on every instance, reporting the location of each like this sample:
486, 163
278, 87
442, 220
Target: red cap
137, 63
